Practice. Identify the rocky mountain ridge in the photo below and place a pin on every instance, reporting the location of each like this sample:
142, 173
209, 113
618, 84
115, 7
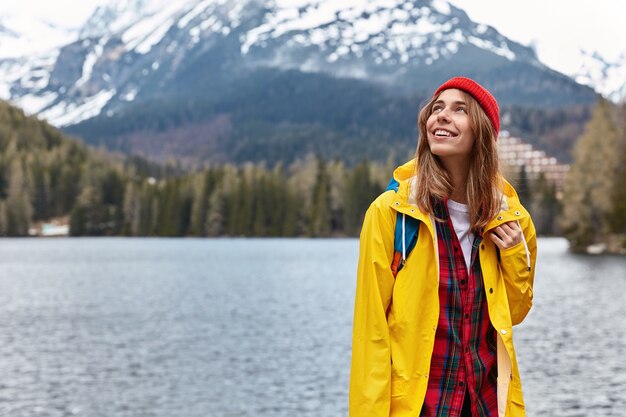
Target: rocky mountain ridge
226, 80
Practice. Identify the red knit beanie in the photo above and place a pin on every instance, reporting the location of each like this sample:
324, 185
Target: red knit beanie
480, 93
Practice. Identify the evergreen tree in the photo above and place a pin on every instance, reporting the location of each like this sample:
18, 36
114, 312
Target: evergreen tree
275, 200
153, 226
215, 216
3, 219
79, 221
175, 205
199, 205
292, 207
18, 205
41, 189
360, 192
301, 182
319, 219
260, 216
337, 181
618, 218
131, 210
230, 200
545, 206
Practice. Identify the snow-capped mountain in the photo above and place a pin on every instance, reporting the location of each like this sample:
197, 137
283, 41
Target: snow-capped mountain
606, 77
114, 54
25, 35
29, 47
132, 50
386, 34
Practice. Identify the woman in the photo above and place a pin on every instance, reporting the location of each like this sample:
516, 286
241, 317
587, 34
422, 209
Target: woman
433, 325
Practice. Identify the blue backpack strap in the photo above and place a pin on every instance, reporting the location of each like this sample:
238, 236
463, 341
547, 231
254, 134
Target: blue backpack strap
393, 185
411, 230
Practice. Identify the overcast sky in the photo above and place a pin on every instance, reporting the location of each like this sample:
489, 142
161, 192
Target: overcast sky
561, 27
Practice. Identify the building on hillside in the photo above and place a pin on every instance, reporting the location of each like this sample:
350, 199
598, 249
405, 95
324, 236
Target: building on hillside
515, 153
55, 227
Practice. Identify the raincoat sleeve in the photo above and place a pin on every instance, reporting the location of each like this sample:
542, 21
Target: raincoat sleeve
518, 268
370, 377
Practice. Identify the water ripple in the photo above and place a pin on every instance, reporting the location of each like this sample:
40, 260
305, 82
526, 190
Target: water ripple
259, 327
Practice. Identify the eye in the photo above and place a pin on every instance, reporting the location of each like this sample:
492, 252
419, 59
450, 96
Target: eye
437, 108
462, 110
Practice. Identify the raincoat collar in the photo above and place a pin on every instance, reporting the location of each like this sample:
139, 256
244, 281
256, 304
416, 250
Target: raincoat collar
405, 201
511, 209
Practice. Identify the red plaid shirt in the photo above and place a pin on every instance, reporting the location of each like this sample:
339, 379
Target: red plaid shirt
464, 355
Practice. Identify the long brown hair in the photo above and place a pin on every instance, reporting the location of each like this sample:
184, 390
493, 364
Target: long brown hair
483, 179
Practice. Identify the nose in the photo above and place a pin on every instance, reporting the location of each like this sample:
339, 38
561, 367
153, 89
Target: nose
443, 116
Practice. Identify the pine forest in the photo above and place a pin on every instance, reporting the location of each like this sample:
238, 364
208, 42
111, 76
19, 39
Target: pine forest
45, 176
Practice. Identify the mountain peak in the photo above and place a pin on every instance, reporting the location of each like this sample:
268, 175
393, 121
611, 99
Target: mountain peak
604, 75
132, 50
377, 39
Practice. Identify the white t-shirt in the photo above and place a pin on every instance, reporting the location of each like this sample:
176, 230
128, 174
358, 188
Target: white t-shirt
459, 214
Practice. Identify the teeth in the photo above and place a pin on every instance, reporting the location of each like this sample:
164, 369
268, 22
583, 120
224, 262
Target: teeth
442, 133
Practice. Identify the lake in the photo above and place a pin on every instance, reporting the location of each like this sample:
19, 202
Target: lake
259, 327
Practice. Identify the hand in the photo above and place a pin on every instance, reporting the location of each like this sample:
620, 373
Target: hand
507, 235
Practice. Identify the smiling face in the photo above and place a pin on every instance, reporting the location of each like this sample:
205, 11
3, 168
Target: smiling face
448, 129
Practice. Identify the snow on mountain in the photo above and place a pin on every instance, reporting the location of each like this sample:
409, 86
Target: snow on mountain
606, 77
128, 49
385, 31
61, 74
22, 35
29, 48
30, 59
140, 24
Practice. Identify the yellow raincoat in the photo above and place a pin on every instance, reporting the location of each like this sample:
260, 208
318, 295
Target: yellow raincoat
395, 320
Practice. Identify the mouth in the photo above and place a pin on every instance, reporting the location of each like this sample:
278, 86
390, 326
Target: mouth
443, 133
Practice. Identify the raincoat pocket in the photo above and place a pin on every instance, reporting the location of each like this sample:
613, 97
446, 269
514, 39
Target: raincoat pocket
516, 406
517, 399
